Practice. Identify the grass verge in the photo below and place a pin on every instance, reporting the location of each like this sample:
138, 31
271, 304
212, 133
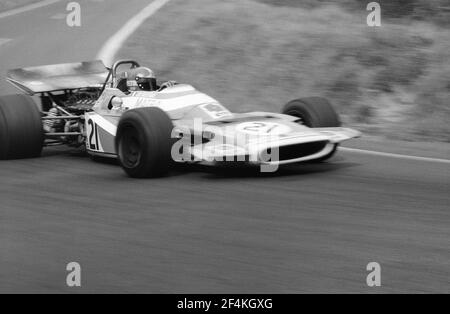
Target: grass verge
392, 80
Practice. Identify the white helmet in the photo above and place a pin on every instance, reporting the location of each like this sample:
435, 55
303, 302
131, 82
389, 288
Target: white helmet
141, 79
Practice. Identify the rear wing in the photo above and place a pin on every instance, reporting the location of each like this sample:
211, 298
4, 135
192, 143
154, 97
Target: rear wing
50, 78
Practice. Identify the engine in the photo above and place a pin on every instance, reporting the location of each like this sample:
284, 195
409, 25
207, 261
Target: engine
81, 101
73, 104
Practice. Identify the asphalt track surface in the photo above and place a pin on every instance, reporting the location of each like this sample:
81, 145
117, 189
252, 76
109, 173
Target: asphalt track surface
309, 228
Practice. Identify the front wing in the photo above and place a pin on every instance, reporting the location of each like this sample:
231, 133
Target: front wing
292, 148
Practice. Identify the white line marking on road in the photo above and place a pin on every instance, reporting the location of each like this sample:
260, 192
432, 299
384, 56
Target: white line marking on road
59, 16
113, 45
4, 40
400, 156
27, 8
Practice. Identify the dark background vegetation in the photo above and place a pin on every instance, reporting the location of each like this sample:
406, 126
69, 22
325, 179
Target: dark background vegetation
390, 81
420, 10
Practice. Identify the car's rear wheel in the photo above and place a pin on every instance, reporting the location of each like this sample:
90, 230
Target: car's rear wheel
144, 142
21, 132
314, 112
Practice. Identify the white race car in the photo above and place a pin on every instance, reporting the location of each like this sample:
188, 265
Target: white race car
148, 130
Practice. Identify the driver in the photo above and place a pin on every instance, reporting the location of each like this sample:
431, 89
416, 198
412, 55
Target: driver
144, 79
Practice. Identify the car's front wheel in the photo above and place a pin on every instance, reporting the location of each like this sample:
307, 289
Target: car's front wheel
144, 143
314, 112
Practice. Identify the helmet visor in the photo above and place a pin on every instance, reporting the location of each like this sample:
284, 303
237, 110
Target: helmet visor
146, 83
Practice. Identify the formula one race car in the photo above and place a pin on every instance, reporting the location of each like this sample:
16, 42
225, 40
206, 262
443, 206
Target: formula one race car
149, 127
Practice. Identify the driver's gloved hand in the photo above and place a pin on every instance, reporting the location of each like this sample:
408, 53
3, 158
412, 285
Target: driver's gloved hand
167, 84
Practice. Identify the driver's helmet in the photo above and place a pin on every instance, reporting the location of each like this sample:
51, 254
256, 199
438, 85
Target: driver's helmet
141, 79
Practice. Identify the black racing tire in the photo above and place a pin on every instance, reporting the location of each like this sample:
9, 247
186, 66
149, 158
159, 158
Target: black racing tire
144, 142
21, 131
314, 112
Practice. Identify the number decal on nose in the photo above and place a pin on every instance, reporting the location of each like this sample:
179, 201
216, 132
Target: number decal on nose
261, 128
216, 110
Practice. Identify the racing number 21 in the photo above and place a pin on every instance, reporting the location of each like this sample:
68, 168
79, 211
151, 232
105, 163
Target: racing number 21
93, 135
260, 127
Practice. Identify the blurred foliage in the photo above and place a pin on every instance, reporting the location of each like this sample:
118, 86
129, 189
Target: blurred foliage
437, 11
392, 80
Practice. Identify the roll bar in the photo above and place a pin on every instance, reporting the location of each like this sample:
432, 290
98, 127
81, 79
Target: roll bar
116, 65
